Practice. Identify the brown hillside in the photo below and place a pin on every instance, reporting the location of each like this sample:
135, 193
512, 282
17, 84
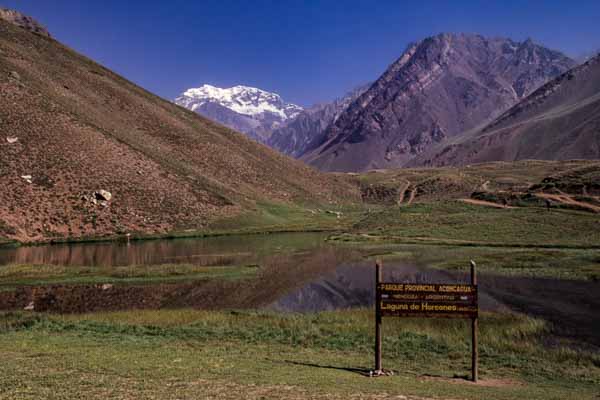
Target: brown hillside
559, 121
69, 128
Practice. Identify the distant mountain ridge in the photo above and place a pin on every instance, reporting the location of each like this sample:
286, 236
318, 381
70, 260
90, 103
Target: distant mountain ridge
265, 117
306, 130
559, 121
440, 87
250, 110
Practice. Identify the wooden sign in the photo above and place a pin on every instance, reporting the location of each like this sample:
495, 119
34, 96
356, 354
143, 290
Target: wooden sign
427, 300
432, 300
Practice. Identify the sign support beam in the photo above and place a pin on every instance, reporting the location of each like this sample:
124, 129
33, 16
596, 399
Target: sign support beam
378, 368
474, 329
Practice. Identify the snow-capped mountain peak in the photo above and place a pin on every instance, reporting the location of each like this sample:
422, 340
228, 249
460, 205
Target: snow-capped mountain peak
246, 109
241, 99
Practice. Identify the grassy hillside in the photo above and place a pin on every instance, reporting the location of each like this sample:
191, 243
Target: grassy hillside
523, 204
70, 127
446, 183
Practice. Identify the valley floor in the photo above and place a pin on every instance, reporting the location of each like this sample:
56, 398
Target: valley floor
536, 347
541, 265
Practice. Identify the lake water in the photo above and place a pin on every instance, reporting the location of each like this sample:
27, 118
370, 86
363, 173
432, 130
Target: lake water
218, 250
299, 272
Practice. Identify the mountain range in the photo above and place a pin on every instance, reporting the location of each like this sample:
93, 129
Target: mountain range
438, 89
84, 152
427, 108
266, 117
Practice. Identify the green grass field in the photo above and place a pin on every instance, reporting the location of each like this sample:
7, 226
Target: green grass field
187, 353
454, 222
272, 217
520, 261
12, 276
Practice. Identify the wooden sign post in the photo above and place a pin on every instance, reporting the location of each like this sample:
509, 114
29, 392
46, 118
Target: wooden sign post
378, 369
474, 327
430, 300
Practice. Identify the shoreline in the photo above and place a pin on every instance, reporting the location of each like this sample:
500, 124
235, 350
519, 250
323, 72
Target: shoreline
170, 235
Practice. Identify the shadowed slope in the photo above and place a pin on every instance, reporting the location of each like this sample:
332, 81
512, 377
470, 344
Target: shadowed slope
559, 121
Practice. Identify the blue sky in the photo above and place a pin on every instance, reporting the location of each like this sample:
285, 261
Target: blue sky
307, 51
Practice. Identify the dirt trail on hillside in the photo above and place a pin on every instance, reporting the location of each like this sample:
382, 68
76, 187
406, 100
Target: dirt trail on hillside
413, 193
484, 203
566, 199
403, 193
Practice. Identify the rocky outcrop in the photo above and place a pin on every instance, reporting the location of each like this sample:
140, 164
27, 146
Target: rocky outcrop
24, 21
379, 194
439, 88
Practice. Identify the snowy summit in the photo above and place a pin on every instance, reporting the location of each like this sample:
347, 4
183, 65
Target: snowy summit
253, 111
241, 99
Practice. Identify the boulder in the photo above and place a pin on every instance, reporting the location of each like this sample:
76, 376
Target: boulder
103, 195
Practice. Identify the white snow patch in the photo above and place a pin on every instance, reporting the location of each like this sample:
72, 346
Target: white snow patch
244, 100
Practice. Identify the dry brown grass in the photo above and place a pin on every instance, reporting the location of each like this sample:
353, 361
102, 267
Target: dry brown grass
82, 128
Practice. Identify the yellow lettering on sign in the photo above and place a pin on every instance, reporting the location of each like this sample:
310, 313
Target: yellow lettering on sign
394, 306
456, 288
420, 288
394, 286
439, 297
405, 296
437, 307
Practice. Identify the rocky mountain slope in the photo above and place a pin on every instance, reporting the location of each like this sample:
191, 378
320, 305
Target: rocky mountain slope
559, 121
23, 21
84, 152
306, 130
440, 87
246, 109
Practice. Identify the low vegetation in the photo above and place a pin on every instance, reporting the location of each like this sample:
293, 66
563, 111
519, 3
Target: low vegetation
557, 263
273, 217
187, 353
12, 276
454, 222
